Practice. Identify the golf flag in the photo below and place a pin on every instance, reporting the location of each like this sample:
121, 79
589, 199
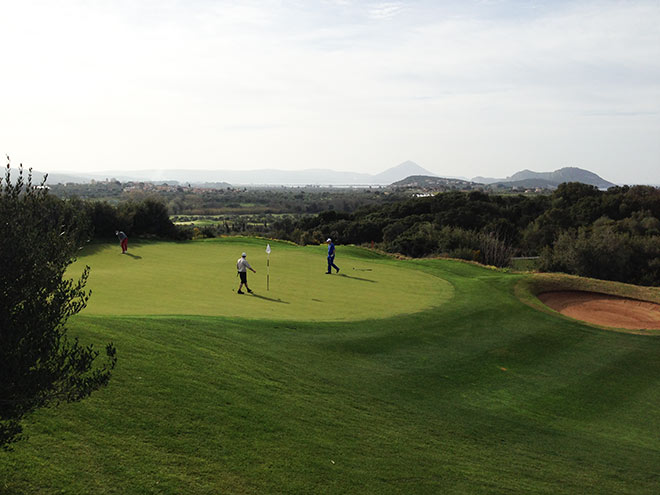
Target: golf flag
268, 267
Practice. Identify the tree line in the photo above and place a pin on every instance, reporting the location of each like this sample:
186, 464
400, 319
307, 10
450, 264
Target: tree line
578, 229
188, 200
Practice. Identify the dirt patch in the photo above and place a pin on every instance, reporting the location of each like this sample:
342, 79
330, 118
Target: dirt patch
604, 309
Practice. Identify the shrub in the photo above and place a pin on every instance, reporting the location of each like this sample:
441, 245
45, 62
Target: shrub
39, 238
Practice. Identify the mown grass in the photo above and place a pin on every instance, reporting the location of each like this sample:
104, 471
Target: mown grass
484, 394
199, 278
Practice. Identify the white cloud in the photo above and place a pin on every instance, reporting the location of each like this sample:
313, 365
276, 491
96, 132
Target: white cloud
386, 10
332, 83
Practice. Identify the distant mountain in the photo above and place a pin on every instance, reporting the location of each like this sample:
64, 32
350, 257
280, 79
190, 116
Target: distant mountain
566, 174
400, 172
251, 177
263, 177
292, 177
266, 177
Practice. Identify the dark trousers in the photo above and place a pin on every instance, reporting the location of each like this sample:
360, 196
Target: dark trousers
331, 263
124, 245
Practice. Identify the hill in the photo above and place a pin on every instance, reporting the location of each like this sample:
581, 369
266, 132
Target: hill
401, 171
435, 183
531, 183
550, 179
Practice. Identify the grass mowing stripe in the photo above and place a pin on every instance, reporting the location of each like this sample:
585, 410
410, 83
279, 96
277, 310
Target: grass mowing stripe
480, 395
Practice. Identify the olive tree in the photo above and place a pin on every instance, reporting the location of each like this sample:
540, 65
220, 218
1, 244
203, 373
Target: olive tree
39, 365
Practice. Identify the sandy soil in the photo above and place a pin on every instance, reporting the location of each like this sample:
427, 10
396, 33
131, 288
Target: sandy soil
603, 309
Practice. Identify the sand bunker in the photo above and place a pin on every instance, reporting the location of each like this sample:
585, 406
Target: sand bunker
605, 310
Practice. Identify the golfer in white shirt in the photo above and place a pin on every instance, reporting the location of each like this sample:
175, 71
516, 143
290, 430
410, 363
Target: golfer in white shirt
242, 266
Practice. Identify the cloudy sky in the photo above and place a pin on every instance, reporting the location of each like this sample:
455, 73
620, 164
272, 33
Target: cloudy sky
463, 87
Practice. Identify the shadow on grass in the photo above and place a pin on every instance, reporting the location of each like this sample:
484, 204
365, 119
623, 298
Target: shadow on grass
357, 278
134, 256
269, 298
93, 247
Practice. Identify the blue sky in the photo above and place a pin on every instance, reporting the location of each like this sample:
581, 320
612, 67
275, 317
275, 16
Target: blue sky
462, 88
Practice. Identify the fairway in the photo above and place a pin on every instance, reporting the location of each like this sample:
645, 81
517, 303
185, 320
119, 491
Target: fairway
479, 393
199, 278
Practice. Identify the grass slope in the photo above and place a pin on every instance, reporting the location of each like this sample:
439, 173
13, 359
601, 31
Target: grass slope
481, 395
199, 278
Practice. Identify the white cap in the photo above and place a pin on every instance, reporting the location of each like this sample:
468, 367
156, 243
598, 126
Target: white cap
243, 255
328, 240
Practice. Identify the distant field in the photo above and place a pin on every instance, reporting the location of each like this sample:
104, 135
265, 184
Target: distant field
231, 216
475, 392
199, 222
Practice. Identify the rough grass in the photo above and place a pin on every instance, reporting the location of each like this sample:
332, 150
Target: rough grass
483, 394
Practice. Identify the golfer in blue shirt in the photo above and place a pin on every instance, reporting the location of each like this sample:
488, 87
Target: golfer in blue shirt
331, 257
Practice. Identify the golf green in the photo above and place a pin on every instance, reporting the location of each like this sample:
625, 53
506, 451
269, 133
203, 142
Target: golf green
199, 278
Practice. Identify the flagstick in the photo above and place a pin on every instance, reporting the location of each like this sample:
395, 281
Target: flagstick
268, 267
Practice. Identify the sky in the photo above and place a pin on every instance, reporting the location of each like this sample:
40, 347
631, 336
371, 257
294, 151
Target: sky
463, 88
